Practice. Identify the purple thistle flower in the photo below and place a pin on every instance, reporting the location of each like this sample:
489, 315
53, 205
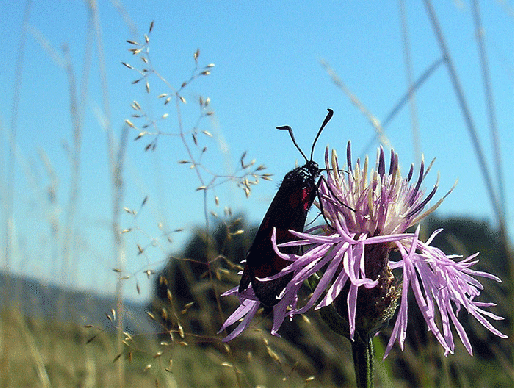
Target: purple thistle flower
367, 221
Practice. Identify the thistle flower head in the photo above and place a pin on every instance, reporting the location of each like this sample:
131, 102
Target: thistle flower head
383, 203
364, 262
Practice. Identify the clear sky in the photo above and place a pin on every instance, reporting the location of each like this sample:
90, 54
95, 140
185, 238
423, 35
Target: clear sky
267, 73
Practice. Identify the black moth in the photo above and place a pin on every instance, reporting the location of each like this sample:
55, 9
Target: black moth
288, 211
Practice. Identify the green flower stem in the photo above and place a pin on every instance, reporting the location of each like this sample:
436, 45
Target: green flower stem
363, 361
362, 346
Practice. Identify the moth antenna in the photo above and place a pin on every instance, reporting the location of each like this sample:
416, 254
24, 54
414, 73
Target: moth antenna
325, 122
290, 130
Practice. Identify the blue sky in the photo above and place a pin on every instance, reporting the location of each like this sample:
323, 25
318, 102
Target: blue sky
267, 73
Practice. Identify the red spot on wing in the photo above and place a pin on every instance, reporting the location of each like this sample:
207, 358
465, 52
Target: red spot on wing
306, 195
301, 198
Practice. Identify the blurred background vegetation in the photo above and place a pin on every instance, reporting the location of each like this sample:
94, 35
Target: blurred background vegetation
62, 337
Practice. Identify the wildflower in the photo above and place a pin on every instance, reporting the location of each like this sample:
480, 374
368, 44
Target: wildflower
351, 260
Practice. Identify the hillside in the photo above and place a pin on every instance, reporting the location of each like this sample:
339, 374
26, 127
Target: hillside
39, 300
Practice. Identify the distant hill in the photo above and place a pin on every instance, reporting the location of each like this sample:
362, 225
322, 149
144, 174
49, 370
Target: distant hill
46, 301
